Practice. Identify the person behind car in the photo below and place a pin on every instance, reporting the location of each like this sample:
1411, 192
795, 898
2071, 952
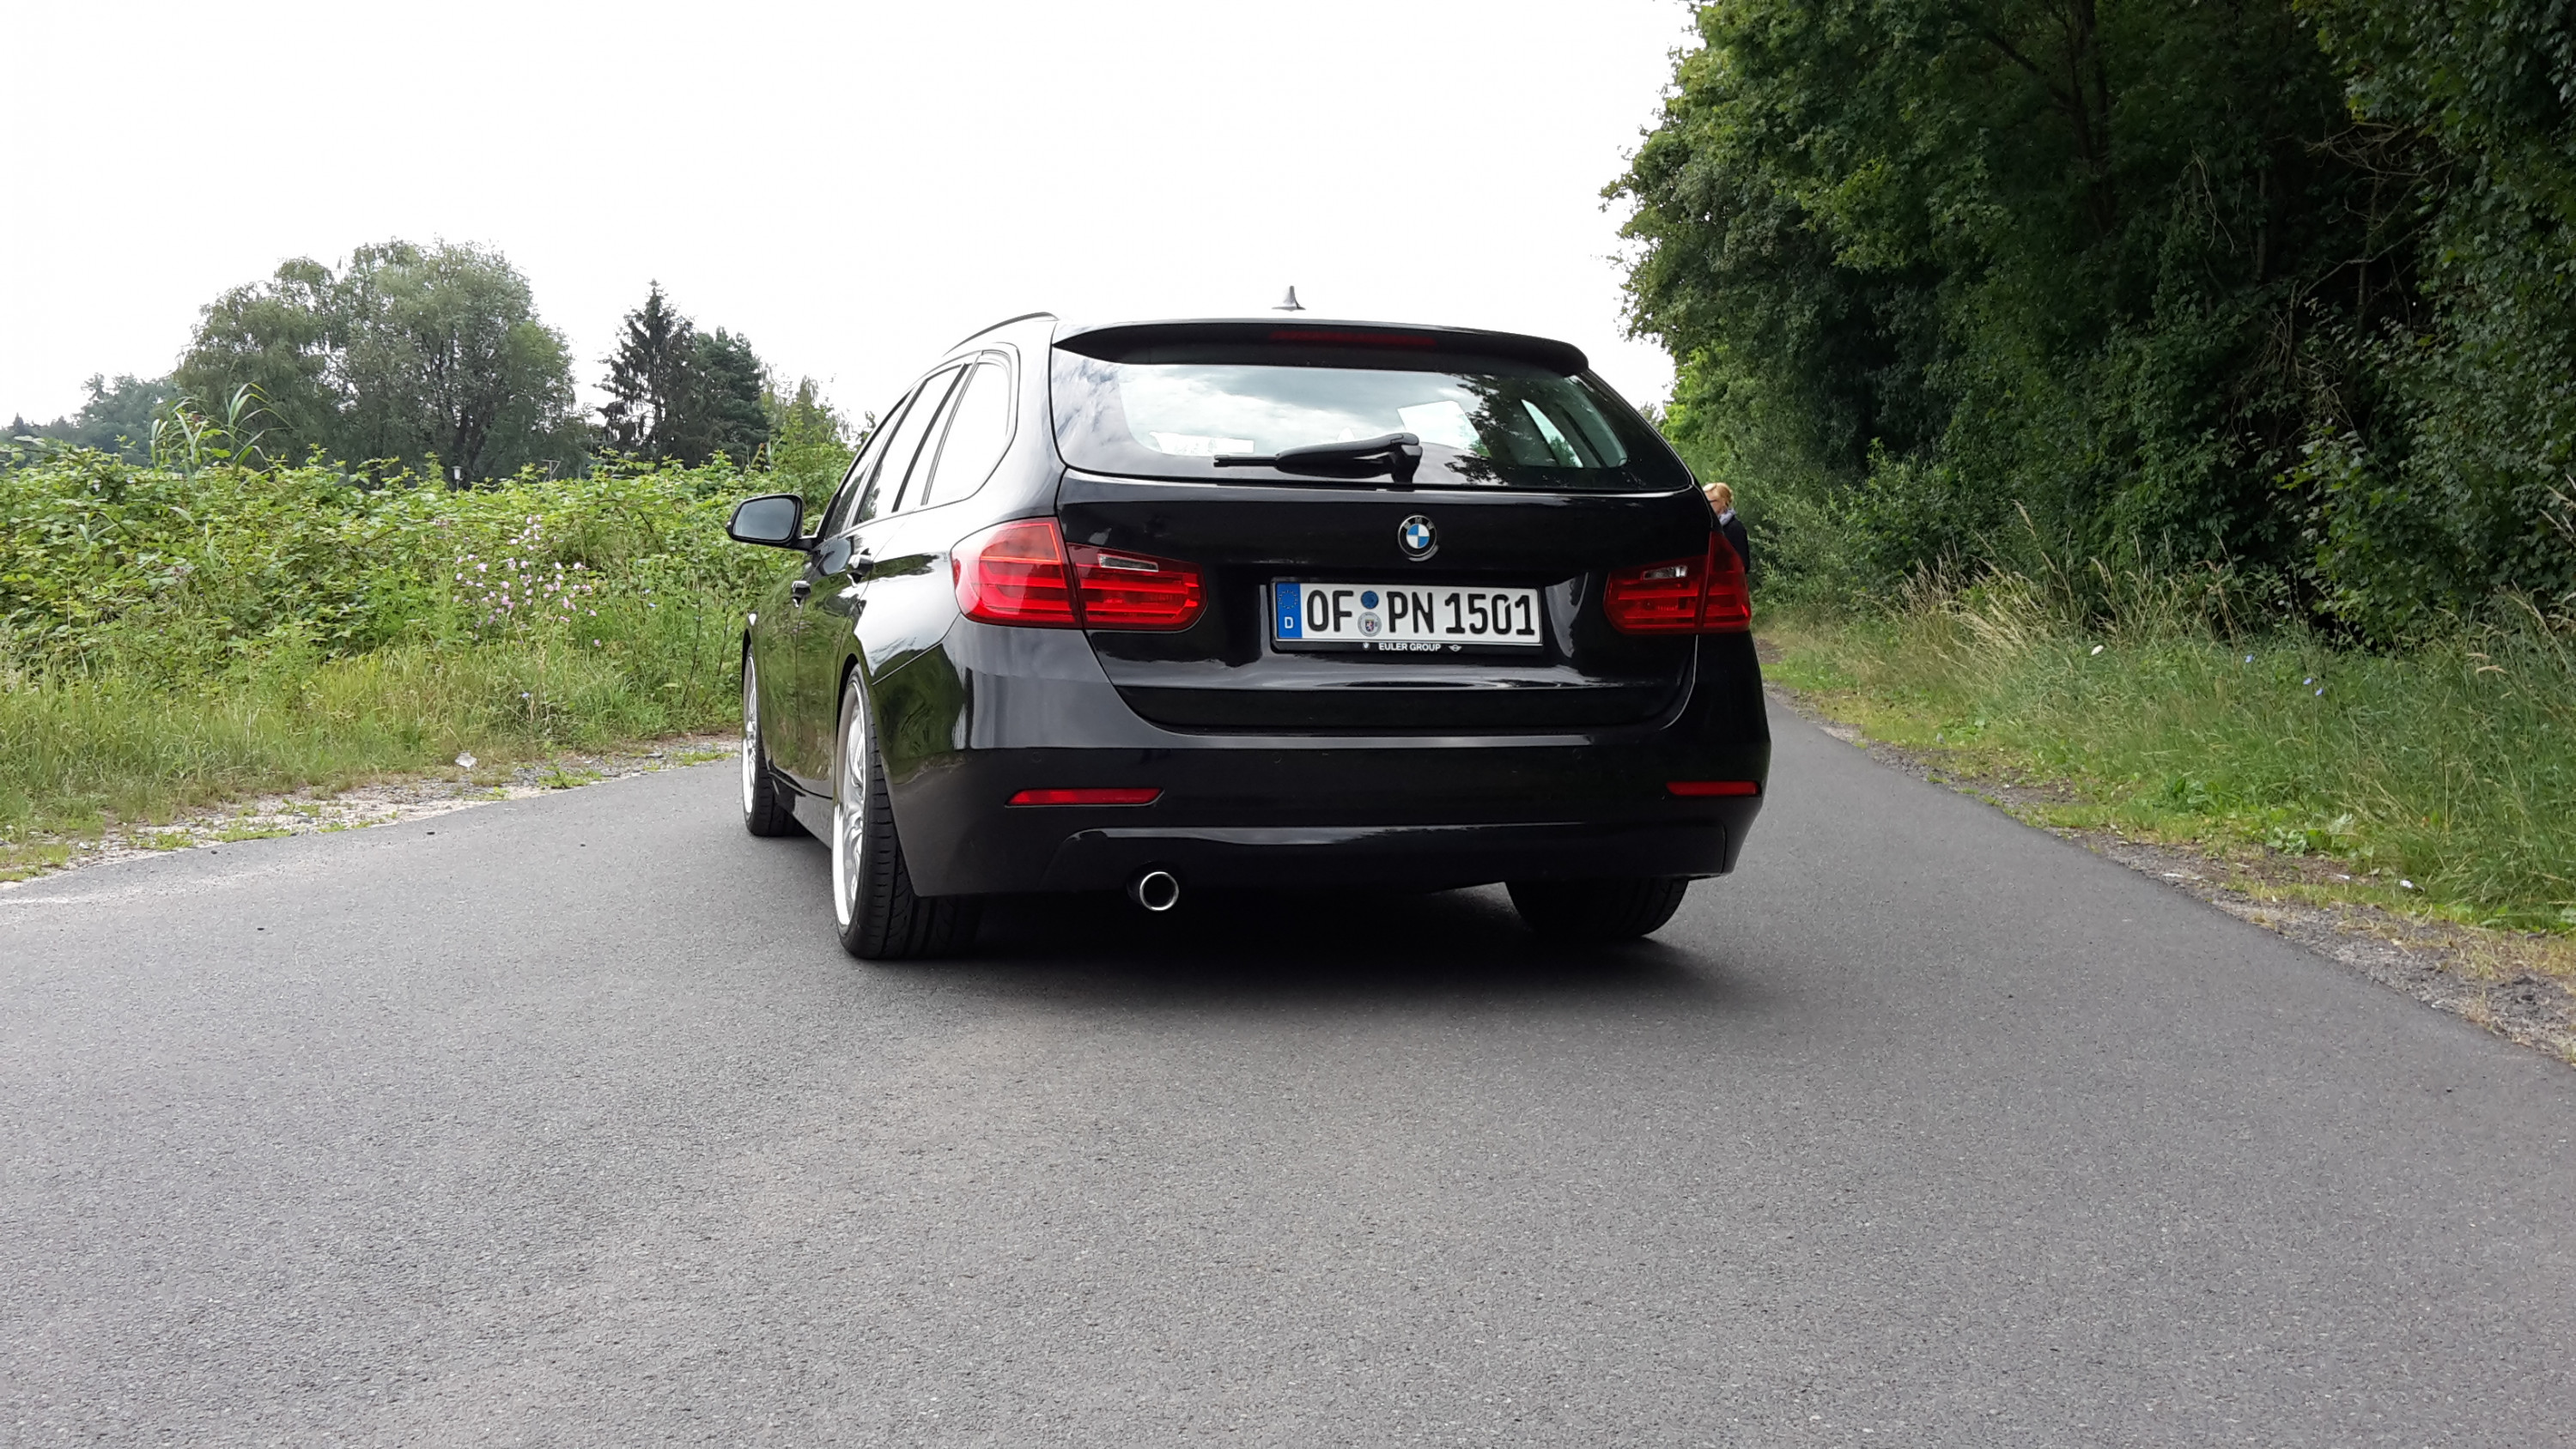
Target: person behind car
1722, 499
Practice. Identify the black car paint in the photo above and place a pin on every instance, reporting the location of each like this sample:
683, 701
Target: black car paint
966, 713
1223, 674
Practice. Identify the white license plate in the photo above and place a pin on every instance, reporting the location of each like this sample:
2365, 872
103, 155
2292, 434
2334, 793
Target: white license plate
1403, 618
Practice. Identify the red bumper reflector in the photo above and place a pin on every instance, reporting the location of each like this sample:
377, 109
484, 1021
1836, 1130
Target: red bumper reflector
1116, 795
1698, 789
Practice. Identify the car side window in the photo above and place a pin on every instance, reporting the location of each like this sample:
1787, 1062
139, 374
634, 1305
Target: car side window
885, 480
845, 499
908, 496
979, 429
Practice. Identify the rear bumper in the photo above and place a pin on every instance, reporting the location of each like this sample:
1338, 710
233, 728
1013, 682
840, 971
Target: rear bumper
1428, 818
1239, 810
1428, 856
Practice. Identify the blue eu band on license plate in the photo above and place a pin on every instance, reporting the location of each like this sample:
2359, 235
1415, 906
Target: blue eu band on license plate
1403, 618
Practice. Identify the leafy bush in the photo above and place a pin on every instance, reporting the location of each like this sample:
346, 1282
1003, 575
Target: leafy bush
171, 633
149, 573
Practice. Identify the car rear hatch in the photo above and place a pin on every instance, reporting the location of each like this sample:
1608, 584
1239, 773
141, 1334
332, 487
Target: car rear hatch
1358, 591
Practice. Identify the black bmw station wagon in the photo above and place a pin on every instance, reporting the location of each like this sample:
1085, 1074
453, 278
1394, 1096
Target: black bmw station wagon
1167, 605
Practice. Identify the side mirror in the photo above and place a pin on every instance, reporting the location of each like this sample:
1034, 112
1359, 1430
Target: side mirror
775, 520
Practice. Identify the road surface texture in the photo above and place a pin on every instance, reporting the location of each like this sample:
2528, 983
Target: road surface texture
564, 1121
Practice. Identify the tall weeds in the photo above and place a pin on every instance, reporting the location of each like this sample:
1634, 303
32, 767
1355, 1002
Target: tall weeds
175, 634
2446, 770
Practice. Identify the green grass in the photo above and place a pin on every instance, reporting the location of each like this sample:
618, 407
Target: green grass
2443, 777
172, 641
77, 755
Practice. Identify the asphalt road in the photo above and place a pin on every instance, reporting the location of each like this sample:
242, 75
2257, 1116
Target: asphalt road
564, 1121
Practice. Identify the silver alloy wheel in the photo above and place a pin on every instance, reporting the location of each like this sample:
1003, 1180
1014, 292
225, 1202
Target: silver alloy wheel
849, 815
750, 734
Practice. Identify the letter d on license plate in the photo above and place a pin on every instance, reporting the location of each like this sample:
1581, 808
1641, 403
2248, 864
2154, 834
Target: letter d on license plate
1401, 617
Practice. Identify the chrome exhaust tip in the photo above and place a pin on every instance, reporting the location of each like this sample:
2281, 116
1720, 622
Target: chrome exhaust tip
1156, 890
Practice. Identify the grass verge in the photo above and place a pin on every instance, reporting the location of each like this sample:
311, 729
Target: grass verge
79, 756
2441, 782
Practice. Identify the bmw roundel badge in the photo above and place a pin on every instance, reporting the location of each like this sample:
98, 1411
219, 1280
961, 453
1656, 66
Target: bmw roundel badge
1415, 537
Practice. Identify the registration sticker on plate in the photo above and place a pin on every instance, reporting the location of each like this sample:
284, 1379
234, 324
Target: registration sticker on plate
1402, 618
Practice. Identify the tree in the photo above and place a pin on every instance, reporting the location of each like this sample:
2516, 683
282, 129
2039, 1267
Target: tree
283, 337
445, 356
2462, 477
725, 400
678, 393
649, 380
1973, 280
116, 419
429, 357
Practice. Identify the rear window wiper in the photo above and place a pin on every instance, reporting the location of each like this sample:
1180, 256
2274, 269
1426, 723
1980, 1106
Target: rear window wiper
1394, 454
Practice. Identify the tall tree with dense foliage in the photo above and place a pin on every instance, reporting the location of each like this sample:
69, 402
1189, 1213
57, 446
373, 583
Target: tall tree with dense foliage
446, 357
424, 356
2464, 479
678, 393
649, 380
286, 339
726, 415
1987, 280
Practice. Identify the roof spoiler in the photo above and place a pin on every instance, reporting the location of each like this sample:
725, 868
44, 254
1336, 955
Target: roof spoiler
1120, 340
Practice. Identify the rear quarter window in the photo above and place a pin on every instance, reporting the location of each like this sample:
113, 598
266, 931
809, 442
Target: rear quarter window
979, 431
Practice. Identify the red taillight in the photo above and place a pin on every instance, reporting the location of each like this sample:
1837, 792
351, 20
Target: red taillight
1022, 573
1015, 574
1704, 595
1144, 795
1701, 789
1658, 598
1728, 608
1134, 590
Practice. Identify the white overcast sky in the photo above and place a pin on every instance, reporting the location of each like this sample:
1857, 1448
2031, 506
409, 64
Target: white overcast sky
853, 187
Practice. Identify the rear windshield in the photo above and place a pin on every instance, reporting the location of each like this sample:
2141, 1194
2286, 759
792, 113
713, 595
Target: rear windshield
1489, 422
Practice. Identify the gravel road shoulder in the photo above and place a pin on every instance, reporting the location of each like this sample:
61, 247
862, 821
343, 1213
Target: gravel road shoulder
386, 801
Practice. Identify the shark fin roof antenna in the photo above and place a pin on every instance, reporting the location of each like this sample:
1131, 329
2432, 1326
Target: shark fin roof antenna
1288, 303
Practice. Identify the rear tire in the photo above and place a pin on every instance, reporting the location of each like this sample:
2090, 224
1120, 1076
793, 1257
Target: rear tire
1598, 910
879, 915
764, 803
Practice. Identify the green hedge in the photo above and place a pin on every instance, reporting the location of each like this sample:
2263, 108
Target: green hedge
169, 636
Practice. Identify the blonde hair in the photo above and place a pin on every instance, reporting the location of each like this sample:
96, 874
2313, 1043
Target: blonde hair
1720, 497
